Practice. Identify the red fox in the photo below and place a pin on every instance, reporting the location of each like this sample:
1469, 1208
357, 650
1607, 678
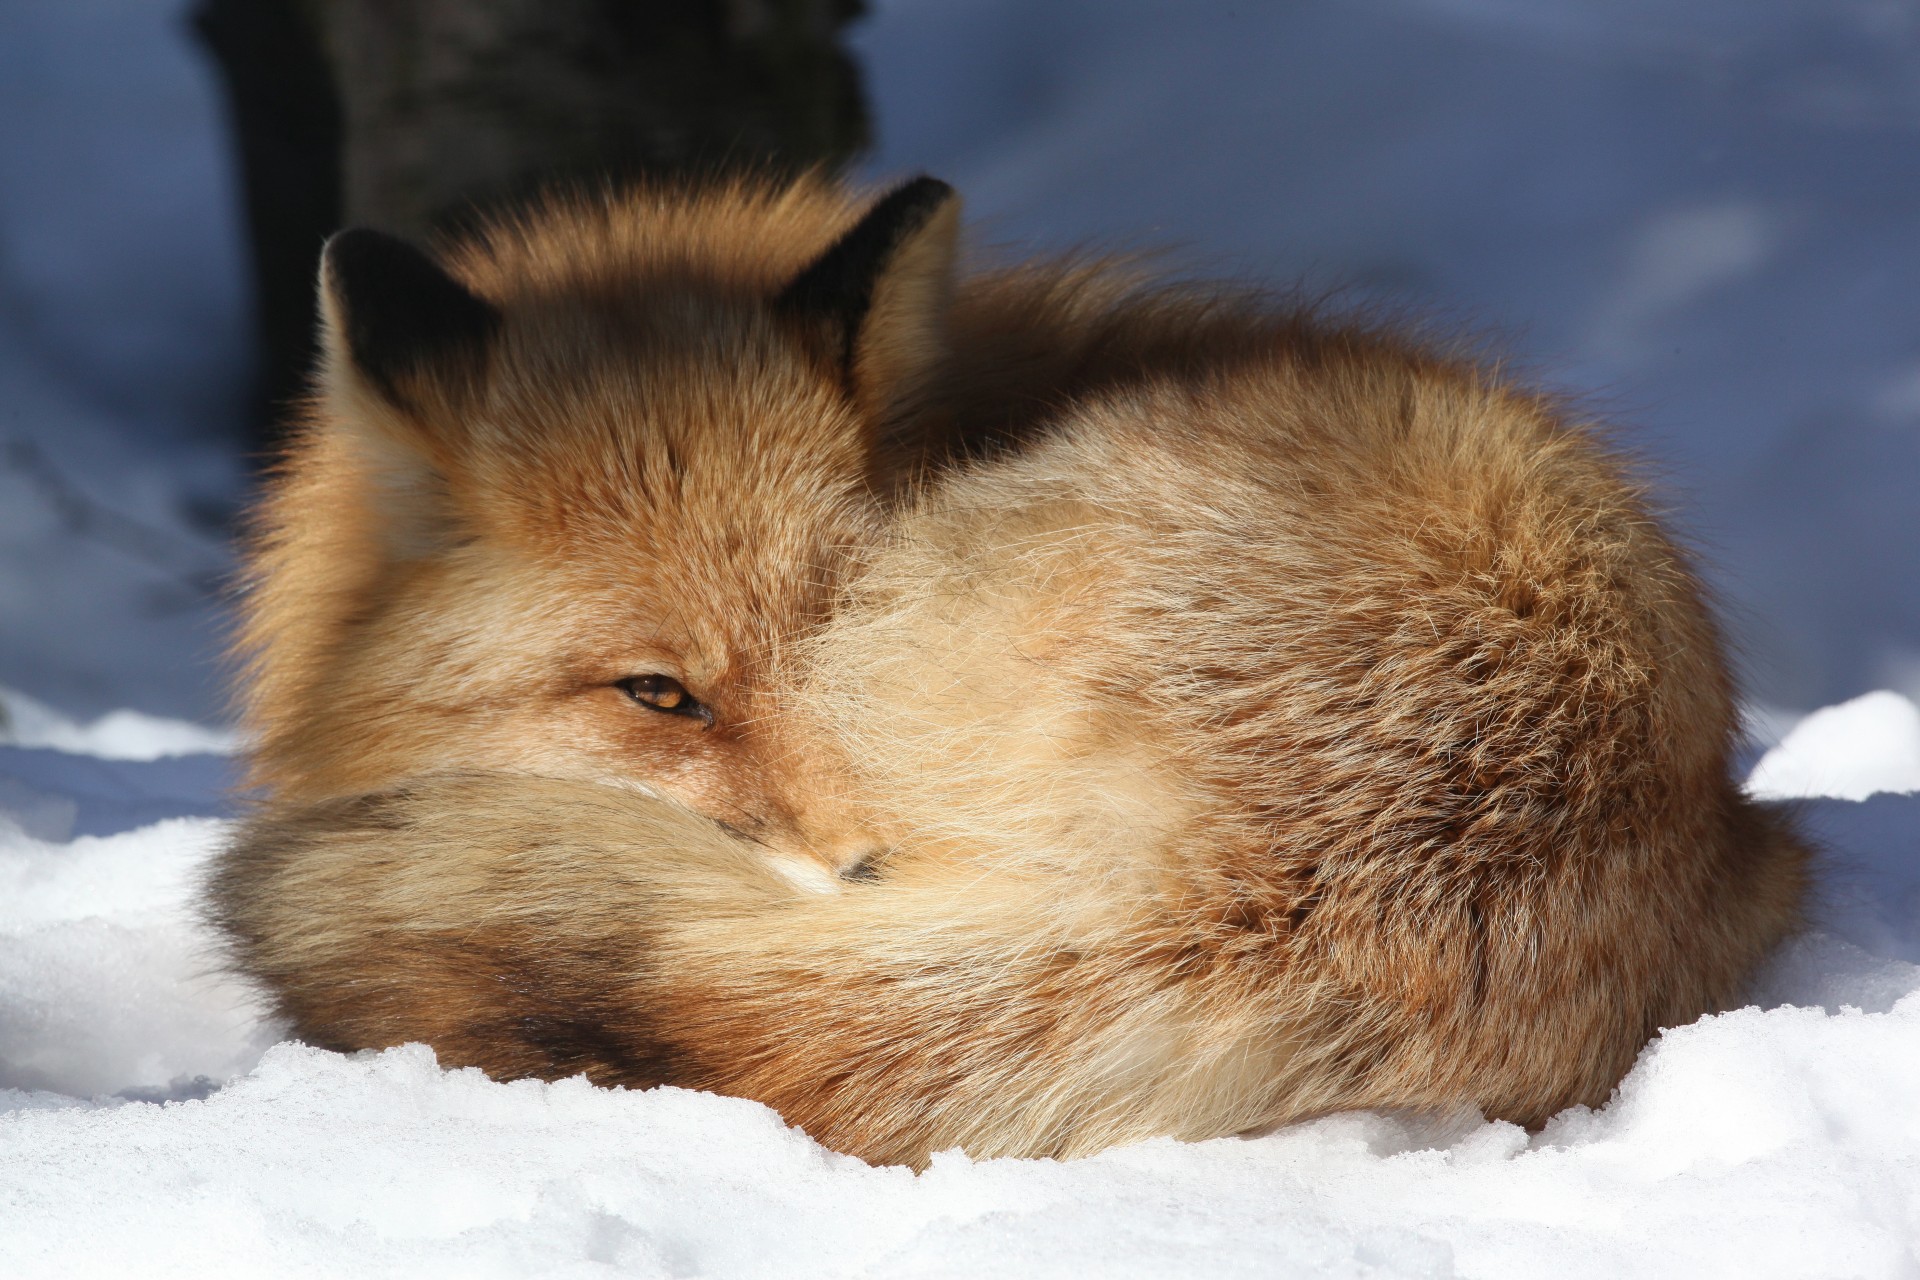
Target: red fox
707, 641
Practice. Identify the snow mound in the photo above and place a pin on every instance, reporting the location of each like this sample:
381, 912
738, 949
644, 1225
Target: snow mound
1852, 751
1787, 1135
107, 981
142, 1131
118, 735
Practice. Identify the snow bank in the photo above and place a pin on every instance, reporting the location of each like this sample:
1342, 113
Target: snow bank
107, 983
1753, 1144
1852, 751
1777, 1140
118, 735
124, 332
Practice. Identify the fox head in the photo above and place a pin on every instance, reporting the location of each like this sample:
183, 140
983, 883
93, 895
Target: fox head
564, 502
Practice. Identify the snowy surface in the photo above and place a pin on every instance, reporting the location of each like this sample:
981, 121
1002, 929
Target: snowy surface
1868, 745
1697, 217
1752, 1145
105, 982
119, 735
122, 320
142, 1131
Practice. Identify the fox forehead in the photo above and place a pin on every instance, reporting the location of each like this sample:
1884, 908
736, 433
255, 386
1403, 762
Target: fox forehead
626, 496
487, 618
687, 387
633, 437
704, 558
717, 502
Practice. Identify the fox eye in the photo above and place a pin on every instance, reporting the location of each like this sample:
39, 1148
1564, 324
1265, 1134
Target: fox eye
664, 693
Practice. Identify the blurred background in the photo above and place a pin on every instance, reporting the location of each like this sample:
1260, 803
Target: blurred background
1702, 219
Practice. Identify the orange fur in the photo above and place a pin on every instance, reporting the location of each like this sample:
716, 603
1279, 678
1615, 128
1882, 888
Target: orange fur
657, 473
1293, 721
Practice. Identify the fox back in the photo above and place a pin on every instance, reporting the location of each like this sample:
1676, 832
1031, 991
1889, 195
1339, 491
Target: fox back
1350, 725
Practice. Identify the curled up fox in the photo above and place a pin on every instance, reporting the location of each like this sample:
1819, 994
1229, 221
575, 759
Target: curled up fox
708, 638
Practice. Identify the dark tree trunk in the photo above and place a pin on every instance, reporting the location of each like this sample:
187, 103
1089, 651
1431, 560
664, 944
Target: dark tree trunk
286, 122
457, 103
410, 115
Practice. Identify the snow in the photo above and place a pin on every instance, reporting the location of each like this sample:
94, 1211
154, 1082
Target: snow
120, 735
1852, 751
1757, 1143
106, 982
122, 365
1696, 217
150, 1124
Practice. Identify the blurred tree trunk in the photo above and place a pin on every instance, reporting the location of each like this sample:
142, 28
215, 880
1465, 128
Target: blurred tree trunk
285, 116
411, 115
451, 103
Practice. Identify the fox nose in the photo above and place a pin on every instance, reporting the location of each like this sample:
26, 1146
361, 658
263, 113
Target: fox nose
849, 854
861, 865
845, 856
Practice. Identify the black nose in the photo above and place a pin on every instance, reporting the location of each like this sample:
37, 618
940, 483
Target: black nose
865, 867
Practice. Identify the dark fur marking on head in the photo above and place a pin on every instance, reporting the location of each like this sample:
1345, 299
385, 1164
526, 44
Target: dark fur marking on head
402, 313
839, 286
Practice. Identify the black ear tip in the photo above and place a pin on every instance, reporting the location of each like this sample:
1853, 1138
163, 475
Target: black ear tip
922, 190
358, 240
347, 252
840, 282
362, 260
909, 205
401, 310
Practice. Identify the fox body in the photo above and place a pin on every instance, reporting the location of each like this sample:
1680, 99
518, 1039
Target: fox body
1070, 714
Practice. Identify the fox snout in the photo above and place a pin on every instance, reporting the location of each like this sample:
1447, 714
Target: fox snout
820, 850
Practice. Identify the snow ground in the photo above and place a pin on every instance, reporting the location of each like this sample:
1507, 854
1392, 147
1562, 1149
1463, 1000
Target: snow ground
1697, 216
150, 1125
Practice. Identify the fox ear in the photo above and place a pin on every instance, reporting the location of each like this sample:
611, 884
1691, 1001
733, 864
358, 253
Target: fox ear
882, 293
397, 322
406, 347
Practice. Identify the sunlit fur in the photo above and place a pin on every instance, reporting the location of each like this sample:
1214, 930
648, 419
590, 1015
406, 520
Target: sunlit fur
1293, 723
657, 474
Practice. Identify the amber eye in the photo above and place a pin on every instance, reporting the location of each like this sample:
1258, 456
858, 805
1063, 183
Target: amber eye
664, 693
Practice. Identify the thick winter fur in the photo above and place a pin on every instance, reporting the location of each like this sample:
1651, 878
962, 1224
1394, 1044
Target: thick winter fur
1294, 722
638, 434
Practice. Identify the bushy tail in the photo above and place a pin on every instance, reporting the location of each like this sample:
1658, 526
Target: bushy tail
534, 927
